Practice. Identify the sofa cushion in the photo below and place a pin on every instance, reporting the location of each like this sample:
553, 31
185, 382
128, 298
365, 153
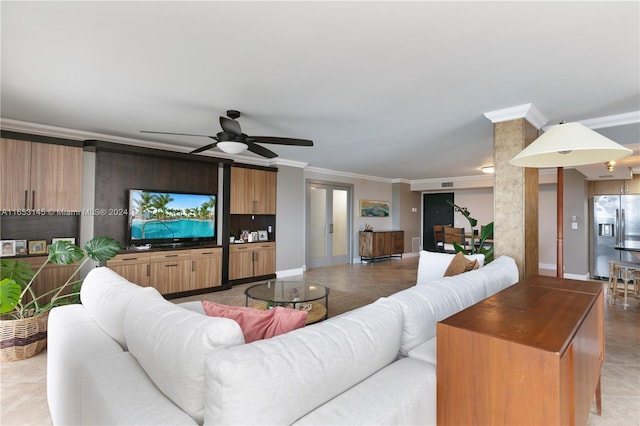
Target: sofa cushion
432, 265
403, 393
106, 296
426, 352
302, 369
257, 324
419, 316
73, 338
171, 344
116, 391
503, 272
460, 264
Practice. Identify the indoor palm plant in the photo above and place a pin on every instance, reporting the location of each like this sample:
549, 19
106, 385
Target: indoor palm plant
23, 320
485, 233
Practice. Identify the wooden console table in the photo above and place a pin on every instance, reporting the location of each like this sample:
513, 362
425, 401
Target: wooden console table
374, 245
528, 355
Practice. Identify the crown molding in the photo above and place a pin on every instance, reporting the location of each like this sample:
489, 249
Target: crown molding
526, 111
608, 121
346, 174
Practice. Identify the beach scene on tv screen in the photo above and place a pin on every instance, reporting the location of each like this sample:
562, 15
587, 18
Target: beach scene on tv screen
157, 215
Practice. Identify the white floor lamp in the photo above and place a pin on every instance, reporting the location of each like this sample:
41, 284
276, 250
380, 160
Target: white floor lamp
567, 145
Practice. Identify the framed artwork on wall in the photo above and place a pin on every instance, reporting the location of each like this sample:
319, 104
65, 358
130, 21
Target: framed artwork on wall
371, 208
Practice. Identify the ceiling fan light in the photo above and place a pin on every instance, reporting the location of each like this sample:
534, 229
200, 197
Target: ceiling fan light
232, 147
488, 169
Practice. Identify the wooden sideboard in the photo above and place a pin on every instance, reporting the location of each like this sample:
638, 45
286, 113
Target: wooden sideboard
528, 355
380, 244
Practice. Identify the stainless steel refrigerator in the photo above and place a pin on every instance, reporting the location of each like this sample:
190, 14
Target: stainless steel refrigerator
616, 219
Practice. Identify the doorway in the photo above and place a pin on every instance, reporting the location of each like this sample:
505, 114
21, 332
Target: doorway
435, 211
329, 212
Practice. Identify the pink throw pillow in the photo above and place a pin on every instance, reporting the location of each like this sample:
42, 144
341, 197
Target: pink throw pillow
257, 324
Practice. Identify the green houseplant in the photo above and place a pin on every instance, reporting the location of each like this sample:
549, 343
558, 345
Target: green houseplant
23, 312
485, 233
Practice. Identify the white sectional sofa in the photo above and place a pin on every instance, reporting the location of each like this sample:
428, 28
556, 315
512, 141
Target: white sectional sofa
128, 356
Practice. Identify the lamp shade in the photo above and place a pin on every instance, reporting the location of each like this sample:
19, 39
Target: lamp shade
569, 144
232, 147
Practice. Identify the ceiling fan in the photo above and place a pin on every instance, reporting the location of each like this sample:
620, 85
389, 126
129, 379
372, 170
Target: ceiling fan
232, 141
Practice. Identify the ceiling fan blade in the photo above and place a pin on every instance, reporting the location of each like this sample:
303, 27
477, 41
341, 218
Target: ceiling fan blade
282, 141
260, 150
177, 134
230, 126
204, 148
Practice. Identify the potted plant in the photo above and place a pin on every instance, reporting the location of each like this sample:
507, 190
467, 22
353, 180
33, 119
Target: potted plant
23, 313
486, 232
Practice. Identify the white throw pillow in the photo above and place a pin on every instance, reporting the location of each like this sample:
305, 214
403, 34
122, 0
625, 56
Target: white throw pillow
432, 265
171, 344
106, 297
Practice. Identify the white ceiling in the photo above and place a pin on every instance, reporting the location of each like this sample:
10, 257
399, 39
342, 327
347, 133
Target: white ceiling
394, 90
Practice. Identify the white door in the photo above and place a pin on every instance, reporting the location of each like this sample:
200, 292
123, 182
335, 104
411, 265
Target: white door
328, 224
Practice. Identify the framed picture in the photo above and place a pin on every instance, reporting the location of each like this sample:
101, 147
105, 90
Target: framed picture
21, 247
263, 235
244, 235
8, 248
370, 208
37, 247
254, 236
69, 240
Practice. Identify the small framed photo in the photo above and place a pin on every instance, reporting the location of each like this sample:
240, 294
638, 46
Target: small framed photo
69, 240
21, 247
244, 235
263, 235
254, 236
8, 247
37, 247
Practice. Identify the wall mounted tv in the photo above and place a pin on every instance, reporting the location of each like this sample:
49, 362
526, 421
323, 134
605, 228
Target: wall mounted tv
171, 218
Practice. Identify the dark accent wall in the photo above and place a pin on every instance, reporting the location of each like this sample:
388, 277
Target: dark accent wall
117, 172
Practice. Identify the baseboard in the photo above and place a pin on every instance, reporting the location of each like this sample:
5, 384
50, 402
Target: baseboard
552, 267
289, 273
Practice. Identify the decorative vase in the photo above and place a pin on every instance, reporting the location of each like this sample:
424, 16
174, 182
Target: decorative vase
23, 338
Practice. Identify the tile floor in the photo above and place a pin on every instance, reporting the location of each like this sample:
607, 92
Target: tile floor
23, 383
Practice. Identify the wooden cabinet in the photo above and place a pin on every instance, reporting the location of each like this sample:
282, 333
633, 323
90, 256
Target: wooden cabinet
51, 277
206, 268
173, 271
380, 244
629, 186
170, 271
252, 260
40, 176
134, 267
253, 191
530, 354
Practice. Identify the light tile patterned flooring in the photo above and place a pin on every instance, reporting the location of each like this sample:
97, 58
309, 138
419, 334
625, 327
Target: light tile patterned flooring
23, 383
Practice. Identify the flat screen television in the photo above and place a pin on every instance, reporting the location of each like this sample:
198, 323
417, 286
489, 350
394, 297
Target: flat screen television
171, 218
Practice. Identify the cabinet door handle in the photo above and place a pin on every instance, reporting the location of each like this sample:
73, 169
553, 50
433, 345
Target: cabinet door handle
33, 200
129, 258
170, 255
193, 266
26, 199
148, 270
171, 265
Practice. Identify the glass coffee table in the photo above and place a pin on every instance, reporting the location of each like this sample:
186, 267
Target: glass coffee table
302, 295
